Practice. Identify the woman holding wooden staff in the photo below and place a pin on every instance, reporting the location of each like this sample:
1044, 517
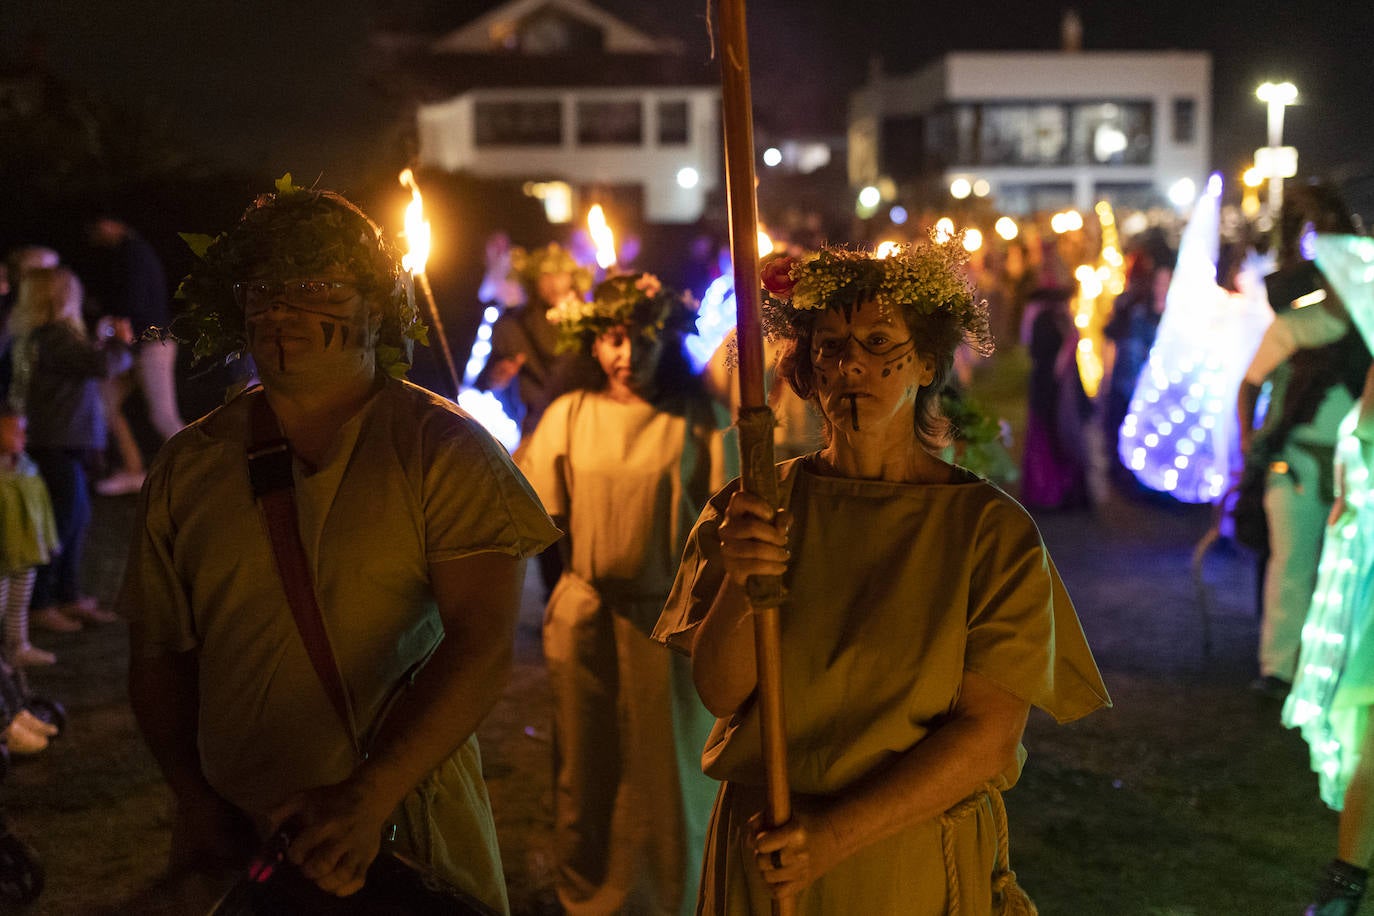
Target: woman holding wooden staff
924, 616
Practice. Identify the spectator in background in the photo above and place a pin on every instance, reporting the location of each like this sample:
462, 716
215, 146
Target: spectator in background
17, 263
1055, 462
56, 383
525, 369
136, 290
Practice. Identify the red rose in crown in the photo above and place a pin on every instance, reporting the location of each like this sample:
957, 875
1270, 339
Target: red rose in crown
776, 276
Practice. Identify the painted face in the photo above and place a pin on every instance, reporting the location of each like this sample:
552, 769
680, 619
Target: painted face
866, 368
627, 358
297, 323
13, 435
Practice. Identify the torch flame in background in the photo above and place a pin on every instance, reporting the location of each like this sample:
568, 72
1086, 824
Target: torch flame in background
417, 230
602, 237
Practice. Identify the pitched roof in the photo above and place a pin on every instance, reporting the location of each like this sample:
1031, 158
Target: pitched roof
619, 37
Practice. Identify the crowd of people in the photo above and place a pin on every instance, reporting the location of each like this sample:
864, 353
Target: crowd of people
349, 550
69, 351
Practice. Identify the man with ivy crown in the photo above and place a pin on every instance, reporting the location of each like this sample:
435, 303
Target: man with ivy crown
414, 525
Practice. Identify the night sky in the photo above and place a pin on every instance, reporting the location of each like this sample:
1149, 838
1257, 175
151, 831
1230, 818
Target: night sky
273, 86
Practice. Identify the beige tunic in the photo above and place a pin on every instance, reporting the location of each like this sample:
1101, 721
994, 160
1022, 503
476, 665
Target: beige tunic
631, 802
414, 481
894, 591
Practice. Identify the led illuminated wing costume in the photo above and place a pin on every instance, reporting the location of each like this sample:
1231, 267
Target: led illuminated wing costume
1335, 679
1181, 434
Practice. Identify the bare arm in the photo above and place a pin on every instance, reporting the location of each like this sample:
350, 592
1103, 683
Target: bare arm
165, 697
972, 747
478, 598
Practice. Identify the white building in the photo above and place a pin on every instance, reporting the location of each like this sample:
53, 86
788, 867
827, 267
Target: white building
1043, 129
564, 95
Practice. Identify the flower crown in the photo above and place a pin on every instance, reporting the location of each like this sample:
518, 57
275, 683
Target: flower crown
292, 233
638, 301
526, 266
927, 279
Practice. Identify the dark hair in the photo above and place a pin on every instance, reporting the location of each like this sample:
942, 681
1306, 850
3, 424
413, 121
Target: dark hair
1317, 203
676, 383
937, 335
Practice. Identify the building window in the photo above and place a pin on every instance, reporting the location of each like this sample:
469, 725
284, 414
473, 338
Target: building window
522, 123
1046, 133
1112, 133
1021, 134
672, 123
616, 123
1128, 195
1185, 120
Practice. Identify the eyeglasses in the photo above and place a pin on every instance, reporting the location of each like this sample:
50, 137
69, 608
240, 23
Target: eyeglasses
258, 295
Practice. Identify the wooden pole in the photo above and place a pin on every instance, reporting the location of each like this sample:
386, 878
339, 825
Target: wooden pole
438, 324
755, 417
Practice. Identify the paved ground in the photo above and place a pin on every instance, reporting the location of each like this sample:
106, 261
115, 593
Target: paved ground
1186, 798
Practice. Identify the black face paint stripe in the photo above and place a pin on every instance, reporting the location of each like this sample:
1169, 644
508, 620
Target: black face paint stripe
327, 327
343, 335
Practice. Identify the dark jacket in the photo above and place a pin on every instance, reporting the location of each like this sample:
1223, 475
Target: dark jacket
62, 398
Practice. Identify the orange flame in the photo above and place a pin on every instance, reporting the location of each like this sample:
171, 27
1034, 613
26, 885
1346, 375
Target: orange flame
602, 237
417, 230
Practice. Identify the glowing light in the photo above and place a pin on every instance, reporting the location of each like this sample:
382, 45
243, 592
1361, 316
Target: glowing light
1067, 221
487, 410
981, 188
886, 249
688, 177
715, 318
944, 229
1182, 192
1006, 227
772, 157
1184, 403
602, 237
960, 188
490, 314
417, 230
870, 197
973, 240
765, 243
1252, 177
1284, 93
1090, 285
556, 197
898, 215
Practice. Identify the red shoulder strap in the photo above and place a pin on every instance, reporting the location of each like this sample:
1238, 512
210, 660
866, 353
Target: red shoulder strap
269, 471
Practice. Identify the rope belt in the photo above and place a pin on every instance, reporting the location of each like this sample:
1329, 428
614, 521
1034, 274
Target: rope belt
1008, 899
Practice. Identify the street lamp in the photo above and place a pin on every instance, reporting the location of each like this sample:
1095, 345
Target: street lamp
1277, 96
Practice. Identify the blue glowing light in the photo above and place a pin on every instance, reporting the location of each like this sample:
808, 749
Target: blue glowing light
1180, 434
715, 319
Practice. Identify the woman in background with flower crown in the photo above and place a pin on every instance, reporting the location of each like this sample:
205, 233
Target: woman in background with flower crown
625, 468
923, 617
